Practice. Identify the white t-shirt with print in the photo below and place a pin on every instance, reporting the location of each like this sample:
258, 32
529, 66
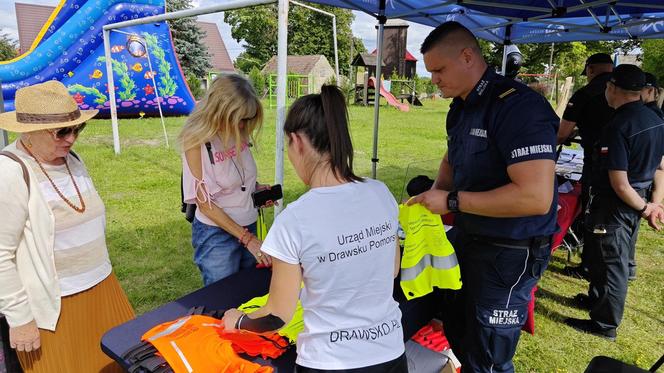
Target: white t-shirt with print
344, 237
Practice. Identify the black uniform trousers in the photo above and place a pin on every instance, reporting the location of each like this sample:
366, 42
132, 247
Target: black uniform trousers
610, 237
483, 320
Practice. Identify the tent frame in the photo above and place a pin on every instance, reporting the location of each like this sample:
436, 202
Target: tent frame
546, 16
231, 5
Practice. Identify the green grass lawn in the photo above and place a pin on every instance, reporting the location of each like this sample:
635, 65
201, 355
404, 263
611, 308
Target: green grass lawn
149, 240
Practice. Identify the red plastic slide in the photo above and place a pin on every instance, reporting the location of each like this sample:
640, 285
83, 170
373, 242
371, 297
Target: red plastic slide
389, 97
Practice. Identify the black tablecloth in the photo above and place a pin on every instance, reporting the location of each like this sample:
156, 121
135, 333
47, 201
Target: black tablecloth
231, 292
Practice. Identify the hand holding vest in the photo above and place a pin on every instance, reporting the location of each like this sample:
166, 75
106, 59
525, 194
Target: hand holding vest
428, 257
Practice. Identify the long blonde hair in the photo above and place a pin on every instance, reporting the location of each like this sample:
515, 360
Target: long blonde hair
230, 100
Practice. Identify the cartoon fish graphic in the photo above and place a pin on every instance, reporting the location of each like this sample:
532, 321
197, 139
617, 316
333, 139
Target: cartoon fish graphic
150, 74
70, 74
117, 48
79, 98
148, 89
96, 74
137, 67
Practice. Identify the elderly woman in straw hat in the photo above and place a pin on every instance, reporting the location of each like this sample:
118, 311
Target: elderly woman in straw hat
58, 292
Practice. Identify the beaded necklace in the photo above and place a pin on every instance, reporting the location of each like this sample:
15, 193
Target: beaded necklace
81, 209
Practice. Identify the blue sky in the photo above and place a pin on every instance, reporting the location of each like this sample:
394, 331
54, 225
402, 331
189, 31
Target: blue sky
363, 27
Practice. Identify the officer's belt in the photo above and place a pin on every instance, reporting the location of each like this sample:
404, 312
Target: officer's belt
528, 243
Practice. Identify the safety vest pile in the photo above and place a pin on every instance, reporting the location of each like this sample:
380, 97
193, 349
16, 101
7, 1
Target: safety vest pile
199, 343
428, 258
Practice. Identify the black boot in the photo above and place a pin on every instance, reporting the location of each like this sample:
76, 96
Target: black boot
588, 326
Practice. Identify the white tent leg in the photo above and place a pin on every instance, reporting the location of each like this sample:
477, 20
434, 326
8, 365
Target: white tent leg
4, 141
156, 94
282, 54
111, 91
504, 64
336, 52
334, 35
379, 63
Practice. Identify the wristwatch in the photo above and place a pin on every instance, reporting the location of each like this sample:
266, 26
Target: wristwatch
453, 201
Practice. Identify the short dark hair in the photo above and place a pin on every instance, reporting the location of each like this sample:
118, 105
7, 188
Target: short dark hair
323, 118
443, 31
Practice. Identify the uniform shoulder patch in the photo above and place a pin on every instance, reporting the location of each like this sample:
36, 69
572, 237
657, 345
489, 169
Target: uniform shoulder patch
507, 93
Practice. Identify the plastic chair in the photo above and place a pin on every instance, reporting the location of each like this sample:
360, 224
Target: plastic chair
604, 364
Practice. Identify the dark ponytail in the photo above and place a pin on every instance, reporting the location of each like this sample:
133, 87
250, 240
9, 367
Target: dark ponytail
323, 118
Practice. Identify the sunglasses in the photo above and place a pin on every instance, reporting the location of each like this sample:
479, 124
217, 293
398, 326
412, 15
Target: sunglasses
64, 132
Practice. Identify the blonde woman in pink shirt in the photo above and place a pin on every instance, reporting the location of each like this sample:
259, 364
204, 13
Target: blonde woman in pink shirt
219, 176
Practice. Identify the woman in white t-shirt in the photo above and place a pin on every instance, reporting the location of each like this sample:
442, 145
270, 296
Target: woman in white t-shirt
219, 176
340, 239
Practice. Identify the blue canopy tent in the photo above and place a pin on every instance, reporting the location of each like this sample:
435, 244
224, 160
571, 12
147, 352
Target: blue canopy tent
519, 21
501, 21
527, 21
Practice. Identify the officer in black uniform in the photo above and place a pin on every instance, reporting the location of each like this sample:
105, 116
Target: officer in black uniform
588, 111
650, 95
498, 176
626, 159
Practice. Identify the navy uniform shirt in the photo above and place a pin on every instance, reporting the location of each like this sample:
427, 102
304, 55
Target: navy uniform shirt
653, 106
590, 111
501, 122
632, 141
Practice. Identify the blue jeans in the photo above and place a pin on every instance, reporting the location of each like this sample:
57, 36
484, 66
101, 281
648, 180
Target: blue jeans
217, 253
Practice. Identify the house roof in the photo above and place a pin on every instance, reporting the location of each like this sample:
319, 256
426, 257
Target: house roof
408, 56
30, 19
219, 58
301, 65
365, 60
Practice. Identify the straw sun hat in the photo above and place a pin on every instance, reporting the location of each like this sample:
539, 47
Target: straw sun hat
44, 106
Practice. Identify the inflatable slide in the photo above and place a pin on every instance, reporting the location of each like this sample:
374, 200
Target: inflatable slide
70, 48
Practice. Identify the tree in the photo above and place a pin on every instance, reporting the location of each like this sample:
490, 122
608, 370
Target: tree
653, 58
309, 32
8, 47
188, 39
568, 58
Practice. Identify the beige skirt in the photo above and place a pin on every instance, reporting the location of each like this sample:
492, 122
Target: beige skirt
75, 344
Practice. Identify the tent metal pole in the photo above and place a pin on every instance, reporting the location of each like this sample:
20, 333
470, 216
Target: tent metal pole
378, 85
506, 41
336, 51
334, 34
153, 19
503, 67
282, 60
189, 13
4, 140
111, 90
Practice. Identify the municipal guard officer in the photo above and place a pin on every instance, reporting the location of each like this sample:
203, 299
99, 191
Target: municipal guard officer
627, 157
588, 111
650, 95
498, 176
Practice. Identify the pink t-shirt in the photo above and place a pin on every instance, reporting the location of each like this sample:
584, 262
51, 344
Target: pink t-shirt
223, 181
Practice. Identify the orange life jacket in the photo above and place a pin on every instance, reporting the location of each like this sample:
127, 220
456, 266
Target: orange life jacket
194, 344
268, 345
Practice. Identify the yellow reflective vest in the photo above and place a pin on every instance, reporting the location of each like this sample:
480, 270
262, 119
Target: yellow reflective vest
290, 330
428, 256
